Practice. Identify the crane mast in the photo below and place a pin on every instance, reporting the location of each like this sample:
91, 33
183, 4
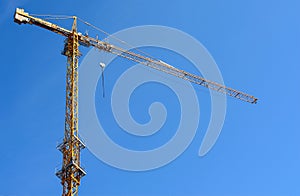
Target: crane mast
71, 172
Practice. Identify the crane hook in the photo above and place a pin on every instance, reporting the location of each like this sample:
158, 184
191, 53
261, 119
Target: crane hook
102, 65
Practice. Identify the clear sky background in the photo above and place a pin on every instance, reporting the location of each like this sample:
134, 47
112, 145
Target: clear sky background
256, 45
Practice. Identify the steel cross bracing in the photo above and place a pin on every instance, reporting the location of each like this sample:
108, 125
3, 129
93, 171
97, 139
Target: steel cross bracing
71, 172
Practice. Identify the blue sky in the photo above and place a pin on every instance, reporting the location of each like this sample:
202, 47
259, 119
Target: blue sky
256, 45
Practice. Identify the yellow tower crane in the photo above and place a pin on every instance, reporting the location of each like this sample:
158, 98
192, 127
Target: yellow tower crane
71, 171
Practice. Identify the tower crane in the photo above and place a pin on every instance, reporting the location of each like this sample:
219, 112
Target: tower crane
71, 171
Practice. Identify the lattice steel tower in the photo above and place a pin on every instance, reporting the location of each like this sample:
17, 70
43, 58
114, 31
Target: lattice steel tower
71, 172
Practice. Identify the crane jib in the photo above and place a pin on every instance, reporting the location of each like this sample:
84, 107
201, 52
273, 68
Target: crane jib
22, 17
